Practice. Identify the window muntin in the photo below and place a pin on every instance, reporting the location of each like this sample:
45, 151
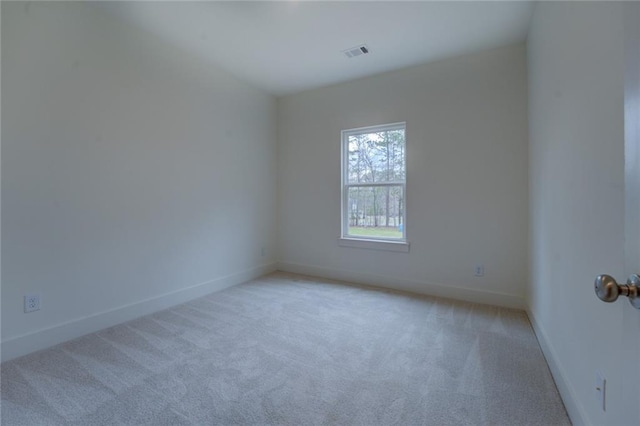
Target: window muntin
374, 183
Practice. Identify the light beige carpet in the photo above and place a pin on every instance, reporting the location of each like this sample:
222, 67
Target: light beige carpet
286, 349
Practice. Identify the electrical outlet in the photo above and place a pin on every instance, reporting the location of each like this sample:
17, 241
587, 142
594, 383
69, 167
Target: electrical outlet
479, 271
263, 251
31, 303
601, 391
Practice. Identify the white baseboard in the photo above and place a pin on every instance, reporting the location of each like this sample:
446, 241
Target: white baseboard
567, 393
41, 339
420, 287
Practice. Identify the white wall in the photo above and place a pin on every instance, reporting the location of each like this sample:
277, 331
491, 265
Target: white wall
467, 200
129, 170
576, 94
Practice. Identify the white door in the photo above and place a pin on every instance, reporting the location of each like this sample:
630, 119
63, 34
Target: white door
631, 316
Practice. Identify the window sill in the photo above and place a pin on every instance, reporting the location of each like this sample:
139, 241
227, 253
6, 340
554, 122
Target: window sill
398, 246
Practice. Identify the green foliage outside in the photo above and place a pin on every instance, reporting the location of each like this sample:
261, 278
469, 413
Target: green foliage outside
376, 160
380, 231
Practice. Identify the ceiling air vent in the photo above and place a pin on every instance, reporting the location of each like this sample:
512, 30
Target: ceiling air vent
356, 51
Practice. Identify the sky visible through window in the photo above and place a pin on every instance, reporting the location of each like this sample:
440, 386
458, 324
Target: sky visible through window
376, 161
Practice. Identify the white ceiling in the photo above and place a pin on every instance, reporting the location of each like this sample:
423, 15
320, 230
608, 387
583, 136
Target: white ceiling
289, 46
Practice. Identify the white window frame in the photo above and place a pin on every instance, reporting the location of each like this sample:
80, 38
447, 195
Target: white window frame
376, 243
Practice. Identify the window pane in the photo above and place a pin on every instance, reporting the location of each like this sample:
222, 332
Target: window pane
376, 157
375, 212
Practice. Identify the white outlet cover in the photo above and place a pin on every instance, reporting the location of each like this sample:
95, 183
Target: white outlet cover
31, 303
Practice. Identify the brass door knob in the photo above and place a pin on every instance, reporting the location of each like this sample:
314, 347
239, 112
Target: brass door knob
608, 290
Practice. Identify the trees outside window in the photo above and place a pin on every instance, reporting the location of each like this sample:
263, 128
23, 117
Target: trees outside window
374, 182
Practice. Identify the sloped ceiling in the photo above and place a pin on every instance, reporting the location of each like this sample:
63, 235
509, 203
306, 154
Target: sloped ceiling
290, 46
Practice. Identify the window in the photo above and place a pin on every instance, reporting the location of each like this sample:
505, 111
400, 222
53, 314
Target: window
374, 184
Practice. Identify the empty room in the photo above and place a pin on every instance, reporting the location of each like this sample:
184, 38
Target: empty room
320, 212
